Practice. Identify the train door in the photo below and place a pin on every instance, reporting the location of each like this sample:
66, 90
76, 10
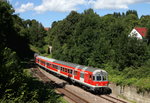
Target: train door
73, 74
90, 78
82, 76
58, 69
86, 76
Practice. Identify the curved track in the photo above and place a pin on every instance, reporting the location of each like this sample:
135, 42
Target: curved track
72, 96
75, 98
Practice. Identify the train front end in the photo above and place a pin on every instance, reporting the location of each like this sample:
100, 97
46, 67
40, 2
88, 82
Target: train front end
100, 82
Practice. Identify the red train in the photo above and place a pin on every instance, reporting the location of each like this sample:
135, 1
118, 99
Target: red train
93, 78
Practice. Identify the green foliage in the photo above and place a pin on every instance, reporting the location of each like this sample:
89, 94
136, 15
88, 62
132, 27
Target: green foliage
132, 12
11, 32
92, 40
36, 33
15, 86
143, 84
102, 42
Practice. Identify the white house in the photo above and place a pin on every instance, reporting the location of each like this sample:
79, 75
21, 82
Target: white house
139, 32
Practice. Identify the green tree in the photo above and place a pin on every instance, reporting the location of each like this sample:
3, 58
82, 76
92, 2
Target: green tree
14, 85
36, 33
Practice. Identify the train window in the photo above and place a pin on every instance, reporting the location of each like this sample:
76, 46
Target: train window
75, 72
48, 64
70, 71
104, 78
82, 75
90, 77
56, 66
61, 68
98, 78
42, 62
65, 69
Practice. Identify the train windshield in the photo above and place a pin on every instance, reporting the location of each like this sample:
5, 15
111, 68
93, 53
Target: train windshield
100, 77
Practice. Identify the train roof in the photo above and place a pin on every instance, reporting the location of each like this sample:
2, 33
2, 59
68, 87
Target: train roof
82, 67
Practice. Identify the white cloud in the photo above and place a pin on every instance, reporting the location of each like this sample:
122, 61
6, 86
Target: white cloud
58, 5
25, 7
114, 4
68, 5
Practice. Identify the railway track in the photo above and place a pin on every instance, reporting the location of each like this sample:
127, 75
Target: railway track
72, 96
116, 99
112, 99
75, 98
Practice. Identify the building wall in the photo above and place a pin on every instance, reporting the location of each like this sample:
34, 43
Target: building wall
134, 33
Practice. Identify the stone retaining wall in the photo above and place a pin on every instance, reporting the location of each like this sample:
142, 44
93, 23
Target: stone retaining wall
130, 93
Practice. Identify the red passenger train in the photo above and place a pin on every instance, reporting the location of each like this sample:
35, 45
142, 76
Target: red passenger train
93, 78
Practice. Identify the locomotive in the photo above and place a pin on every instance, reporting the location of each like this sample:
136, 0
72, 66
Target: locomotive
94, 79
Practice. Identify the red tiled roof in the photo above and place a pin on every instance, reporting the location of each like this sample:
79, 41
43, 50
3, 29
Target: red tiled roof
46, 29
141, 30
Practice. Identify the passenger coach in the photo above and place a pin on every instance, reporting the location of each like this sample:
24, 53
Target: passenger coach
93, 78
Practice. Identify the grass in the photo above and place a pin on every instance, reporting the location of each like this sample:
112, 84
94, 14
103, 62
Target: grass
35, 49
63, 100
121, 96
47, 55
41, 51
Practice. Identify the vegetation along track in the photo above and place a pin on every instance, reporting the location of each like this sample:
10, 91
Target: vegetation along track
75, 98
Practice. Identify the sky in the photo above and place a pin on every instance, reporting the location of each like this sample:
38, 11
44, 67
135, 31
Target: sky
48, 11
